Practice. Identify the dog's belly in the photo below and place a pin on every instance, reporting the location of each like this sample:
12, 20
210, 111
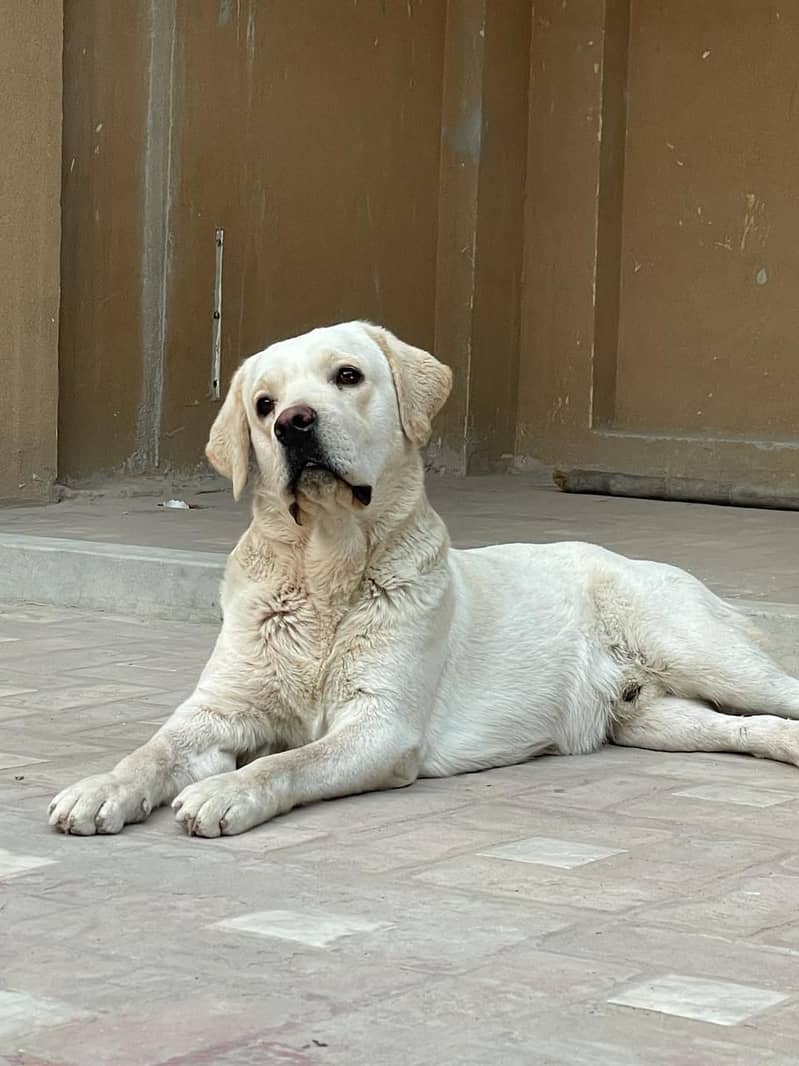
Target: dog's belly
529, 712
532, 667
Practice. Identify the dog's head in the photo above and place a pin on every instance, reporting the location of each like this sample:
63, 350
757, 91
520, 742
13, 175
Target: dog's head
334, 406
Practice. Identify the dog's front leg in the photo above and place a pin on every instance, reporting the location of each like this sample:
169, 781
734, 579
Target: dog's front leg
367, 749
204, 736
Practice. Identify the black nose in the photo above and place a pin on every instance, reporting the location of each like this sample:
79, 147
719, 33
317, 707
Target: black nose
293, 424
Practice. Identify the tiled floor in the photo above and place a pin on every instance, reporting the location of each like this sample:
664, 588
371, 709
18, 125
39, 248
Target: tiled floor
621, 909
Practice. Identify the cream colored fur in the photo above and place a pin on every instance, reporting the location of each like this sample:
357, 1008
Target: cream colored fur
359, 651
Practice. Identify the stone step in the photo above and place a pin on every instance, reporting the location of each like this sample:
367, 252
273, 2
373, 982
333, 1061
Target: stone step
120, 578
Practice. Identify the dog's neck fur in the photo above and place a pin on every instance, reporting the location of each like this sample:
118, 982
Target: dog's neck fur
336, 545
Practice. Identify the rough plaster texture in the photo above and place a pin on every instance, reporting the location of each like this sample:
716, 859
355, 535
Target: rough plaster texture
30, 221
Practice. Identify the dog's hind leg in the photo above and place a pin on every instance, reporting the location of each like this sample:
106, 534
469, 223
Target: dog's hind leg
672, 723
737, 676
714, 655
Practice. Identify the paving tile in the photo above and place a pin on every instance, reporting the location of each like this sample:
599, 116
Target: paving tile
719, 1002
169, 700
740, 907
691, 861
39, 646
13, 863
704, 767
156, 722
23, 1013
24, 614
738, 794
388, 847
551, 980
502, 780
157, 1032
66, 697
699, 952
144, 671
689, 814
298, 844
11, 714
32, 737
115, 735
81, 720
14, 675
544, 851
535, 883
71, 661
353, 1039
57, 773
379, 808
10, 760
507, 815
315, 930
8, 691
618, 1036
596, 789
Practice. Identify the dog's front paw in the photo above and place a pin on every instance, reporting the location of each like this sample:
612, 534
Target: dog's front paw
222, 806
99, 804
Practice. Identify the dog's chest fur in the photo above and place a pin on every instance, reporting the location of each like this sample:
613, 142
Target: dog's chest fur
296, 636
296, 656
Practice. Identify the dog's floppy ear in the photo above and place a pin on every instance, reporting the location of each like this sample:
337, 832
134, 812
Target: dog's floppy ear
228, 447
422, 383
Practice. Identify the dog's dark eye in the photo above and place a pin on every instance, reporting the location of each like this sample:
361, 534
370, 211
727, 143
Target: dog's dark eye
263, 406
348, 375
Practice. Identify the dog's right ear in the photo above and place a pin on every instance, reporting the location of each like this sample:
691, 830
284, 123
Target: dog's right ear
228, 447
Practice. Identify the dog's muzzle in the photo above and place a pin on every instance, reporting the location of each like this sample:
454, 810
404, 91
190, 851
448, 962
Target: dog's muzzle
295, 429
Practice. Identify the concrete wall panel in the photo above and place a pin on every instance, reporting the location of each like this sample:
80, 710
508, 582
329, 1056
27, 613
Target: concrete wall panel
30, 132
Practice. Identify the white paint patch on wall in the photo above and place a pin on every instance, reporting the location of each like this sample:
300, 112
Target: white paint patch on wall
465, 138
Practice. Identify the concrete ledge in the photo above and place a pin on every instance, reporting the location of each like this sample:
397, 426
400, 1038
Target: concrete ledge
119, 578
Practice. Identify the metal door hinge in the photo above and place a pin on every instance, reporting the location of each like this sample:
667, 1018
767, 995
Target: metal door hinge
216, 328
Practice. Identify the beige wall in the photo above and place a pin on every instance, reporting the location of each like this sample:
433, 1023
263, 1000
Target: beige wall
30, 236
309, 132
364, 160
660, 319
610, 269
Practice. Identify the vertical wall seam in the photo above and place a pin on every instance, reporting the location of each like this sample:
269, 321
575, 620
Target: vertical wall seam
468, 421
156, 230
167, 235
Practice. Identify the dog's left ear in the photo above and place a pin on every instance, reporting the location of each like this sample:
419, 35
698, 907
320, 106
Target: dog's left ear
422, 383
228, 447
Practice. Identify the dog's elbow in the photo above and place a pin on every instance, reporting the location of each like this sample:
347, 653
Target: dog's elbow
405, 764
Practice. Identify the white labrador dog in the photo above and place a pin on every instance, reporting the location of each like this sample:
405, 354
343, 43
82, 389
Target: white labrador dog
359, 651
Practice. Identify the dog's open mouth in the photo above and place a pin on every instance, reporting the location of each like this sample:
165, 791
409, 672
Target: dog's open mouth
361, 494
